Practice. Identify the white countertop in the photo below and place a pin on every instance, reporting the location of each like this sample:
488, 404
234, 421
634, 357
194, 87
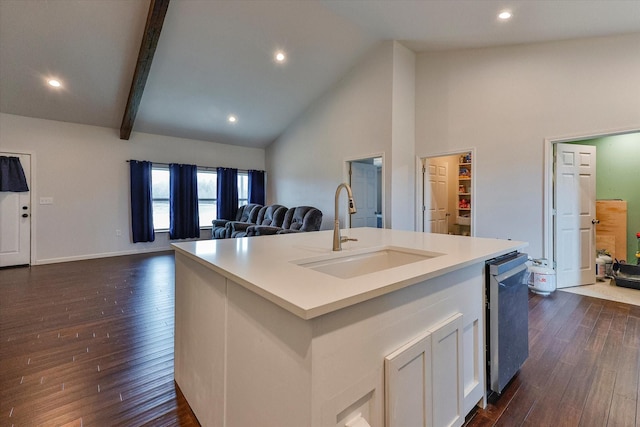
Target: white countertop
267, 265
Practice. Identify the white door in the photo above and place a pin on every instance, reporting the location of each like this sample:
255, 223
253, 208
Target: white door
435, 197
364, 185
575, 204
15, 221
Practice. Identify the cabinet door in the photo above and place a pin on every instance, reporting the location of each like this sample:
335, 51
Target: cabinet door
408, 388
447, 372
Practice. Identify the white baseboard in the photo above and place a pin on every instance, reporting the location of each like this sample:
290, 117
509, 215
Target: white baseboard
101, 255
166, 246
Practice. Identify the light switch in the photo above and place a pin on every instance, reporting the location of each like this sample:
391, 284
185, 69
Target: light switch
46, 200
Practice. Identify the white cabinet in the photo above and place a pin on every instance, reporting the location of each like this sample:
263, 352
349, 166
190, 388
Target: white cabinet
446, 366
409, 385
424, 378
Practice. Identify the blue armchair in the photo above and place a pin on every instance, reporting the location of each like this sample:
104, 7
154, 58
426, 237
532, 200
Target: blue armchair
271, 215
246, 214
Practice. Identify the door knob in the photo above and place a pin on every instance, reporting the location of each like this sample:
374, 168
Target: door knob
595, 221
24, 215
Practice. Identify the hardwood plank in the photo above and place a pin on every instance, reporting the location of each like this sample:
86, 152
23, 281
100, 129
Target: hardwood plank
548, 409
519, 407
623, 412
569, 328
632, 332
577, 389
627, 372
598, 403
600, 331
90, 343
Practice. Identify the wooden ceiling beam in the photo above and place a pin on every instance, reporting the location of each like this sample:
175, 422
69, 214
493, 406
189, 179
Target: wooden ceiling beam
155, 19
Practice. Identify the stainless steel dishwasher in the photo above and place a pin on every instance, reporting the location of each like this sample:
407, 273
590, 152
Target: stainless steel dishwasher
507, 318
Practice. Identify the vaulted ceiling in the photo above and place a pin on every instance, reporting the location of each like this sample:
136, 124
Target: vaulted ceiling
215, 58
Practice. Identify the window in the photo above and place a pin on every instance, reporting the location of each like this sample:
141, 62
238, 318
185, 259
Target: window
243, 188
160, 196
207, 202
207, 195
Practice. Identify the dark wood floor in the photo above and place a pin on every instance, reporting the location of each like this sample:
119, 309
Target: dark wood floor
582, 370
90, 343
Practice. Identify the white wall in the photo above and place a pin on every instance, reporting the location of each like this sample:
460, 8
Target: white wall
351, 121
403, 161
84, 169
506, 101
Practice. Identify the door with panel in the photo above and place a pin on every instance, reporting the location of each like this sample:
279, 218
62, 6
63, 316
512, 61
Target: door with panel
575, 214
435, 197
15, 220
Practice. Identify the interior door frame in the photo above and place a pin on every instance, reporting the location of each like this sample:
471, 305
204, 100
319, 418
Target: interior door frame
383, 185
32, 198
419, 220
548, 208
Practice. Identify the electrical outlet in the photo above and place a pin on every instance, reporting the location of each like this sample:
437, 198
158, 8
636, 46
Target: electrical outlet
46, 200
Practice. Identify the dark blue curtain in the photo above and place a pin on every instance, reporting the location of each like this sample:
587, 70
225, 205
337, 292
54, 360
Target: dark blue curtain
184, 222
256, 187
141, 202
227, 192
12, 176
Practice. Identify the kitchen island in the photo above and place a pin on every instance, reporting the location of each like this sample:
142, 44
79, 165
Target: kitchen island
282, 331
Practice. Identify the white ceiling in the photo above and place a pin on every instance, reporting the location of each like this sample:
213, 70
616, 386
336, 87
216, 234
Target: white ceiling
215, 57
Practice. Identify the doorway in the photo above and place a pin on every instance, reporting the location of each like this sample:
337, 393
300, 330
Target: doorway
447, 201
15, 219
366, 182
616, 179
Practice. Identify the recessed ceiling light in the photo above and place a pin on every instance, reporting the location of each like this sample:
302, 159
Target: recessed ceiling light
280, 56
504, 15
54, 83
232, 118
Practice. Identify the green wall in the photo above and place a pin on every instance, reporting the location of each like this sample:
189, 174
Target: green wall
618, 177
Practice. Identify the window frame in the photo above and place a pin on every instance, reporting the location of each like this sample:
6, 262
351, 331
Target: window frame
243, 189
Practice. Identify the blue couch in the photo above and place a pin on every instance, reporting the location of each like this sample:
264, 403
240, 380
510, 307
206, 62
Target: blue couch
296, 220
258, 220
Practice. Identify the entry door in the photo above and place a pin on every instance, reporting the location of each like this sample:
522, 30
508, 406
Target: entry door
15, 221
575, 204
364, 185
436, 187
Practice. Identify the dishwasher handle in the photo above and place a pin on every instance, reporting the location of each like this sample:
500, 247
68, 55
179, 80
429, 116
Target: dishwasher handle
502, 278
499, 266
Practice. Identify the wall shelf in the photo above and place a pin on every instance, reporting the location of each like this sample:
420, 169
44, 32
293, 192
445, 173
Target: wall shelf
465, 190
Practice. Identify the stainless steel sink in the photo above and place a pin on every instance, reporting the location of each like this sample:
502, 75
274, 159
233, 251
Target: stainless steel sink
349, 265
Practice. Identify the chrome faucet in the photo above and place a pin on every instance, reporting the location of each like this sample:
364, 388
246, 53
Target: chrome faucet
337, 239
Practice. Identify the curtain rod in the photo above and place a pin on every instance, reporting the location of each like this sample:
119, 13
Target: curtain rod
201, 167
